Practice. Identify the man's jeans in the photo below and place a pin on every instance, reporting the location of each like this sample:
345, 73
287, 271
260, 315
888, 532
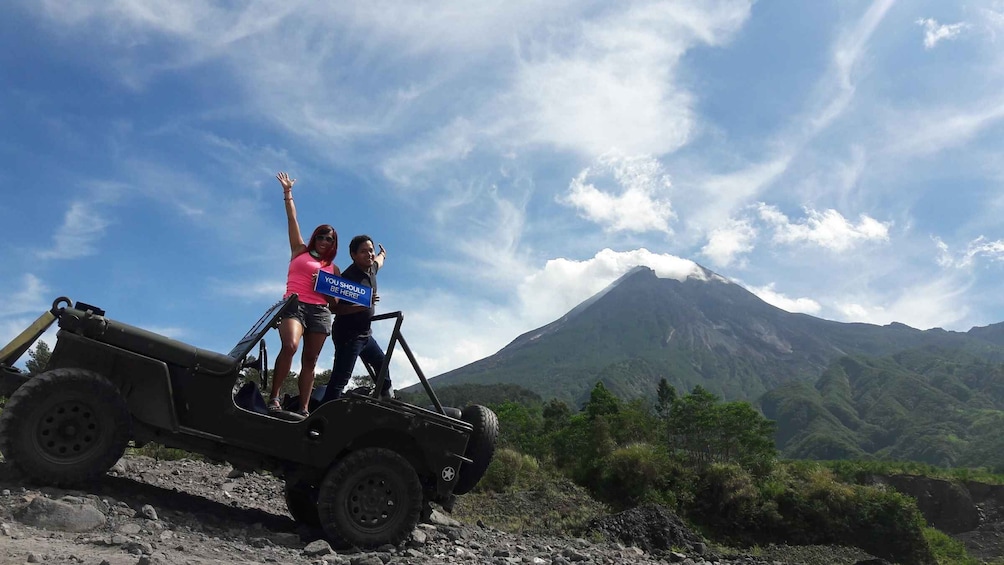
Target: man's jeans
345, 361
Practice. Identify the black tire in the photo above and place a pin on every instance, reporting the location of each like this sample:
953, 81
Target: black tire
301, 501
370, 498
480, 447
65, 426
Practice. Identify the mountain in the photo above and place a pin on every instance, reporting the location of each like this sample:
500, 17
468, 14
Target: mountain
703, 330
936, 406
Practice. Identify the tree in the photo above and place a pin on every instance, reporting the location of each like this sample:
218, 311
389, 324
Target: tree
519, 427
359, 381
691, 425
707, 431
602, 402
556, 414
38, 358
666, 396
322, 378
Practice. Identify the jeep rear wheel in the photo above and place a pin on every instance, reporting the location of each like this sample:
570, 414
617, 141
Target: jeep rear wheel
370, 498
65, 426
480, 447
301, 501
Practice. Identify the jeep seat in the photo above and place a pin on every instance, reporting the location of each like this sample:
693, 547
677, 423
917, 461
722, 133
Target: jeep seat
144, 342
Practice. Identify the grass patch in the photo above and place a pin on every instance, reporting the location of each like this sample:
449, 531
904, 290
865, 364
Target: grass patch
949, 551
162, 453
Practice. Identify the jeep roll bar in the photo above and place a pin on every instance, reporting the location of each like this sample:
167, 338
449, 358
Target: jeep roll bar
396, 337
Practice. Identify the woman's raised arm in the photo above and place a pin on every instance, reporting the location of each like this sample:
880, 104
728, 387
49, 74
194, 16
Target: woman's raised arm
296, 244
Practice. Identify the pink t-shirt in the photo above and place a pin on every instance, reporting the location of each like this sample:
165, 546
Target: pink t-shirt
300, 278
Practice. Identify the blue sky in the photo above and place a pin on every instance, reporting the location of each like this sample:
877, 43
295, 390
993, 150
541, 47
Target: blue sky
838, 158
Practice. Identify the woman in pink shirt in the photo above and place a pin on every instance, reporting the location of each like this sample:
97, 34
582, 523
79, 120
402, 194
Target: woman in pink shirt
311, 320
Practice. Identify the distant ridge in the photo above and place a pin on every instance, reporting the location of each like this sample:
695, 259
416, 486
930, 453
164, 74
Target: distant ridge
702, 330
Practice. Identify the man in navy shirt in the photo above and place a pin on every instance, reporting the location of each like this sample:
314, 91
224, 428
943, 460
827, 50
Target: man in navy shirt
351, 331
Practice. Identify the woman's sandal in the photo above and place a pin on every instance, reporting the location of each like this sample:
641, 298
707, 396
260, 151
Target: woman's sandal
274, 405
304, 412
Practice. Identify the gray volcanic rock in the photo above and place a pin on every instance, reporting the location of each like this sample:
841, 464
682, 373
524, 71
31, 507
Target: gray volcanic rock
58, 515
650, 528
207, 517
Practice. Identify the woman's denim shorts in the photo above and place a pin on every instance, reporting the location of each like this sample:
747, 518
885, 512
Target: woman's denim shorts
315, 318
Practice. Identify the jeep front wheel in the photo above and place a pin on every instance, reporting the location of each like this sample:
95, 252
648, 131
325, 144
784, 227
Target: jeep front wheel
65, 426
370, 498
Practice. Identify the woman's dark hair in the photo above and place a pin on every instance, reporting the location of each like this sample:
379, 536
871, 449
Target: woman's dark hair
324, 229
357, 241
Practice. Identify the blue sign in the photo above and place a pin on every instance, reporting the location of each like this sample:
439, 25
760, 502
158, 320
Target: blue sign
343, 289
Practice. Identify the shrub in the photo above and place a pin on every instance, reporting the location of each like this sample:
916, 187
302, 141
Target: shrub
818, 509
947, 550
729, 502
640, 473
509, 468
805, 505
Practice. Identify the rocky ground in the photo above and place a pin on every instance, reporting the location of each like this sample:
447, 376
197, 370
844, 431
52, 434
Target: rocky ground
192, 512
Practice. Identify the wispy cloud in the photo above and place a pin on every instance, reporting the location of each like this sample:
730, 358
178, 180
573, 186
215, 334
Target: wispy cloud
496, 247
726, 244
82, 228
847, 54
444, 145
940, 302
775, 298
931, 131
979, 248
250, 290
638, 201
993, 19
20, 307
828, 229
610, 83
935, 33
606, 82
30, 297
727, 193
600, 80
491, 215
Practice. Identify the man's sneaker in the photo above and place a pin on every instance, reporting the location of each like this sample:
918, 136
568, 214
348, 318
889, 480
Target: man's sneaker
387, 395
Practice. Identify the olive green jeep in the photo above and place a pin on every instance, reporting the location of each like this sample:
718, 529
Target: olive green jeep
362, 468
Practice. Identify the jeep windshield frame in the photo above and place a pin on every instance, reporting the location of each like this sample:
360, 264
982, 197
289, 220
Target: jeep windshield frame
267, 321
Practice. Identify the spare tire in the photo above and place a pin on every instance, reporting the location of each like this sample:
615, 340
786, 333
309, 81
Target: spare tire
480, 447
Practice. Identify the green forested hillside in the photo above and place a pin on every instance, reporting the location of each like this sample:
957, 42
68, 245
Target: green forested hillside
932, 405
